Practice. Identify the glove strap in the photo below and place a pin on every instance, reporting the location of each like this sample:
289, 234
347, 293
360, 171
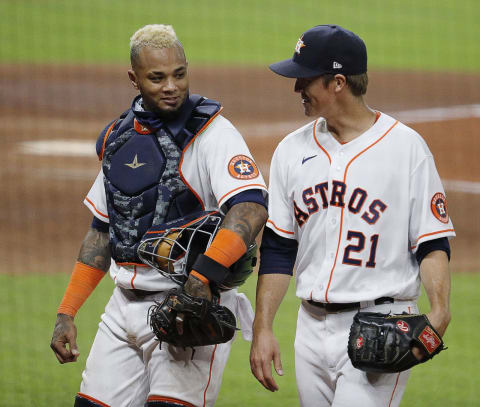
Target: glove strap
210, 269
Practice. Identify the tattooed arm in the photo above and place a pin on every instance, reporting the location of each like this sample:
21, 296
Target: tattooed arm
246, 219
95, 250
93, 261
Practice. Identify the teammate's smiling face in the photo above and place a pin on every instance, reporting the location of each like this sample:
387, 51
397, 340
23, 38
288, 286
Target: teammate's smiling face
316, 97
161, 77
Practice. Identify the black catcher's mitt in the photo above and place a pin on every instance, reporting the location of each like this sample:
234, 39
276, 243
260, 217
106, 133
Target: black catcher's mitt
383, 342
204, 322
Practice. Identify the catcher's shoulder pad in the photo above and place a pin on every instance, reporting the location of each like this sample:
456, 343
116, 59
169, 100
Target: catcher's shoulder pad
105, 134
204, 109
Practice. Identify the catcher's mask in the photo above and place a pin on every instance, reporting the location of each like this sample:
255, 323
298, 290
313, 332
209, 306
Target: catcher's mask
172, 248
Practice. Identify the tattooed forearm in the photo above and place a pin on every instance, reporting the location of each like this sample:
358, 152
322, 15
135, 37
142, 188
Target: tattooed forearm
196, 288
95, 250
246, 219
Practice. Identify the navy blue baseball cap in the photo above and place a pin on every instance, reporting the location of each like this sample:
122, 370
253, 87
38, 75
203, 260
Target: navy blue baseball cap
325, 49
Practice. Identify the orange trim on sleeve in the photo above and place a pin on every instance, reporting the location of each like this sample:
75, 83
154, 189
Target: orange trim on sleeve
431, 234
100, 156
83, 281
183, 155
281, 230
95, 208
240, 187
227, 247
92, 399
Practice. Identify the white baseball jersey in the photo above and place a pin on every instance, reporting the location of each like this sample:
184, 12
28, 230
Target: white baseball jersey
358, 210
215, 165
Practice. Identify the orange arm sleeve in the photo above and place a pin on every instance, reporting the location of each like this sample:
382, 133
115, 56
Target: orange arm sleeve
227, 247
83, 281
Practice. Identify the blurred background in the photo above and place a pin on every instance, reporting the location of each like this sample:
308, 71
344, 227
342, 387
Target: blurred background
63, 77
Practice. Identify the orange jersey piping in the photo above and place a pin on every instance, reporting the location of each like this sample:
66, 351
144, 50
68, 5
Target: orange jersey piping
318, 144
341, 214
132, 264
95, 208
134, 276
394, 389
183, 155
209, 376
431, 234
281, 230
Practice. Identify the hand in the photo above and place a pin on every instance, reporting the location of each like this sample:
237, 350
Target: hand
263, 351
65, 332
439, 321
195, 288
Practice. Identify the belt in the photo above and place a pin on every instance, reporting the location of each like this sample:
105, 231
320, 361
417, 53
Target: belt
339, 307
136, 293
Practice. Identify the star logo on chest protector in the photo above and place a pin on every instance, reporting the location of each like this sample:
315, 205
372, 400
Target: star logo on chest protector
135, 164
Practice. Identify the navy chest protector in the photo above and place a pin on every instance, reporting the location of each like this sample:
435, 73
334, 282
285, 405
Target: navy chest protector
141, 175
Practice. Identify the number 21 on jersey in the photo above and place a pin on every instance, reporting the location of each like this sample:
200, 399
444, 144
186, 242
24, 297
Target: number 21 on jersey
357, 246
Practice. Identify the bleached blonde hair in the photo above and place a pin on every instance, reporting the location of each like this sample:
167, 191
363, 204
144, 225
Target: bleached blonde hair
152, 35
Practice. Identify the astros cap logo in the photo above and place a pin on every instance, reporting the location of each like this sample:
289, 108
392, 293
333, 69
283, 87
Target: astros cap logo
242, 167
439, 207
300, 45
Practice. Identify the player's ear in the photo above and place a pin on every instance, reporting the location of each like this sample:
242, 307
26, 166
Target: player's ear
340, 82
133, 78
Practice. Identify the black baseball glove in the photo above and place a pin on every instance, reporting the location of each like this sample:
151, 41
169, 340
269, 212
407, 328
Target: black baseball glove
204, 322
383, 342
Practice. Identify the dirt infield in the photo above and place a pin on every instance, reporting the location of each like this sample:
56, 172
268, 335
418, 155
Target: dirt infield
43, 219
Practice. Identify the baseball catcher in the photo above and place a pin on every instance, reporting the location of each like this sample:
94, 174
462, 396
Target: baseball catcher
383, 342
173, 249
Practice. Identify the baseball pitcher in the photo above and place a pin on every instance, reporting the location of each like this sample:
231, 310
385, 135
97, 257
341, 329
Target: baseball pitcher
356, 204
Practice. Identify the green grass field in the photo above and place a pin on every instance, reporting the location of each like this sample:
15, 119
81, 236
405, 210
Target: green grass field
32, 377
407, 34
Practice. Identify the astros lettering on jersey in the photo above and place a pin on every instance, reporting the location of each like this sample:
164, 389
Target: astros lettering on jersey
349, 199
